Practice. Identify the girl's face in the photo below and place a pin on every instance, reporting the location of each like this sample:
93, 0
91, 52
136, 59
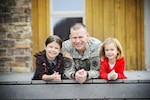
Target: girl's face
111, 51
52, 50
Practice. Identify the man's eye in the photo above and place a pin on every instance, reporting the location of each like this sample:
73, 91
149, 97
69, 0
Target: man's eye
50, 47
74, 38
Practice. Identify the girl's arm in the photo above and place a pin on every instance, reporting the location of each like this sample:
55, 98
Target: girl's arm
39, 71
120, 72
55, 77
120, 69
46, 77
103, 70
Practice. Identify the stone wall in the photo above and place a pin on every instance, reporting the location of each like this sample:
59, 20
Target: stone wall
15, 36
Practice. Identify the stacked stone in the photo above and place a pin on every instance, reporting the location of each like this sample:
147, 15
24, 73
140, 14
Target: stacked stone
15, 36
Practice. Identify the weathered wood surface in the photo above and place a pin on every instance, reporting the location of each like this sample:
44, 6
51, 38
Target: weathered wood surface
20, 86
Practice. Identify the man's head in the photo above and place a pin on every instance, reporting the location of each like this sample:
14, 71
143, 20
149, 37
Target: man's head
79, 36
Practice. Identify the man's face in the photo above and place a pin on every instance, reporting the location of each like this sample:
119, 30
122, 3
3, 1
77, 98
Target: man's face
79, 39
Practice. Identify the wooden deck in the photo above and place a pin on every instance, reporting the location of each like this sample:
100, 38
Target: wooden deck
20, 86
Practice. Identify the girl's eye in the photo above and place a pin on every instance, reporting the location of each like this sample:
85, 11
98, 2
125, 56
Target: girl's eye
106, 49
53, 47
112, 49
56, 48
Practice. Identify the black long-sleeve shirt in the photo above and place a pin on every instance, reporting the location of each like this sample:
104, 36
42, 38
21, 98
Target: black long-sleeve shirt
44, 67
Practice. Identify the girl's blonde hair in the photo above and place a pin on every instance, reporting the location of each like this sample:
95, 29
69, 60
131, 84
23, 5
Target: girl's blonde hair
116, 43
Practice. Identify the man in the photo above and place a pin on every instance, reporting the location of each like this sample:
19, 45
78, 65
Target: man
84, 50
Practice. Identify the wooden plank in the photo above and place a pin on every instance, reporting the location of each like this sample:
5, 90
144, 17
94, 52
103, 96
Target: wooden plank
98, 28
47, 18
89, 16
71, 91
139, 34
120, 33
35, 32
26, 77
131, 30
142, 36
109, 18
42, 23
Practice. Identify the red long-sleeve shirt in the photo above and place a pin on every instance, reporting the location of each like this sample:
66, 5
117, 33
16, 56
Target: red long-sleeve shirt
118, 67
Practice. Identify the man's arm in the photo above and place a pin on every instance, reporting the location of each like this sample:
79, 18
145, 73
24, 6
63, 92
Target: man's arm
66, 47
69, 72
94, 68
95, 46
66, 51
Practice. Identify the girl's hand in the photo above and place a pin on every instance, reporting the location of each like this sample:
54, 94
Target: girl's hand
57, 77
54, 77
113, 75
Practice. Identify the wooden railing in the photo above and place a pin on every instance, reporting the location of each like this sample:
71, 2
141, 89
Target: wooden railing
137, 86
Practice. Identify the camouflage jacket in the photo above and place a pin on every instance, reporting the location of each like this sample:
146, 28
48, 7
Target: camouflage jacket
89, 60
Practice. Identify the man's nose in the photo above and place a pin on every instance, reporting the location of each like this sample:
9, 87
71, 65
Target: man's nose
77, 39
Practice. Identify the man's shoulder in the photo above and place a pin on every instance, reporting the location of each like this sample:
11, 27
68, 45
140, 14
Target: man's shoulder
67, 42
94, 42
67, 45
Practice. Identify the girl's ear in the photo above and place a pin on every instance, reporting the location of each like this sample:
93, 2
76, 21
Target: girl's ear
117, 52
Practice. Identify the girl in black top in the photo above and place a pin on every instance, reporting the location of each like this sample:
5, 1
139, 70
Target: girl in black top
50, 63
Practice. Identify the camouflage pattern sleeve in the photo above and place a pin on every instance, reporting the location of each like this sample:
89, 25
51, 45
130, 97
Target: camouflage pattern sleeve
68, 66
95, 59
94, 68
66, 47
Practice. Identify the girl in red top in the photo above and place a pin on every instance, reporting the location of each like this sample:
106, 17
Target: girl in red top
112, 60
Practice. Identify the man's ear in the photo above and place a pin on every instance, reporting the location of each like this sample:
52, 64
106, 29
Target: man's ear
88, 35
70, 36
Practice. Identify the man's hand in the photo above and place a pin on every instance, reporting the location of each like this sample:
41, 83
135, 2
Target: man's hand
81, 76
